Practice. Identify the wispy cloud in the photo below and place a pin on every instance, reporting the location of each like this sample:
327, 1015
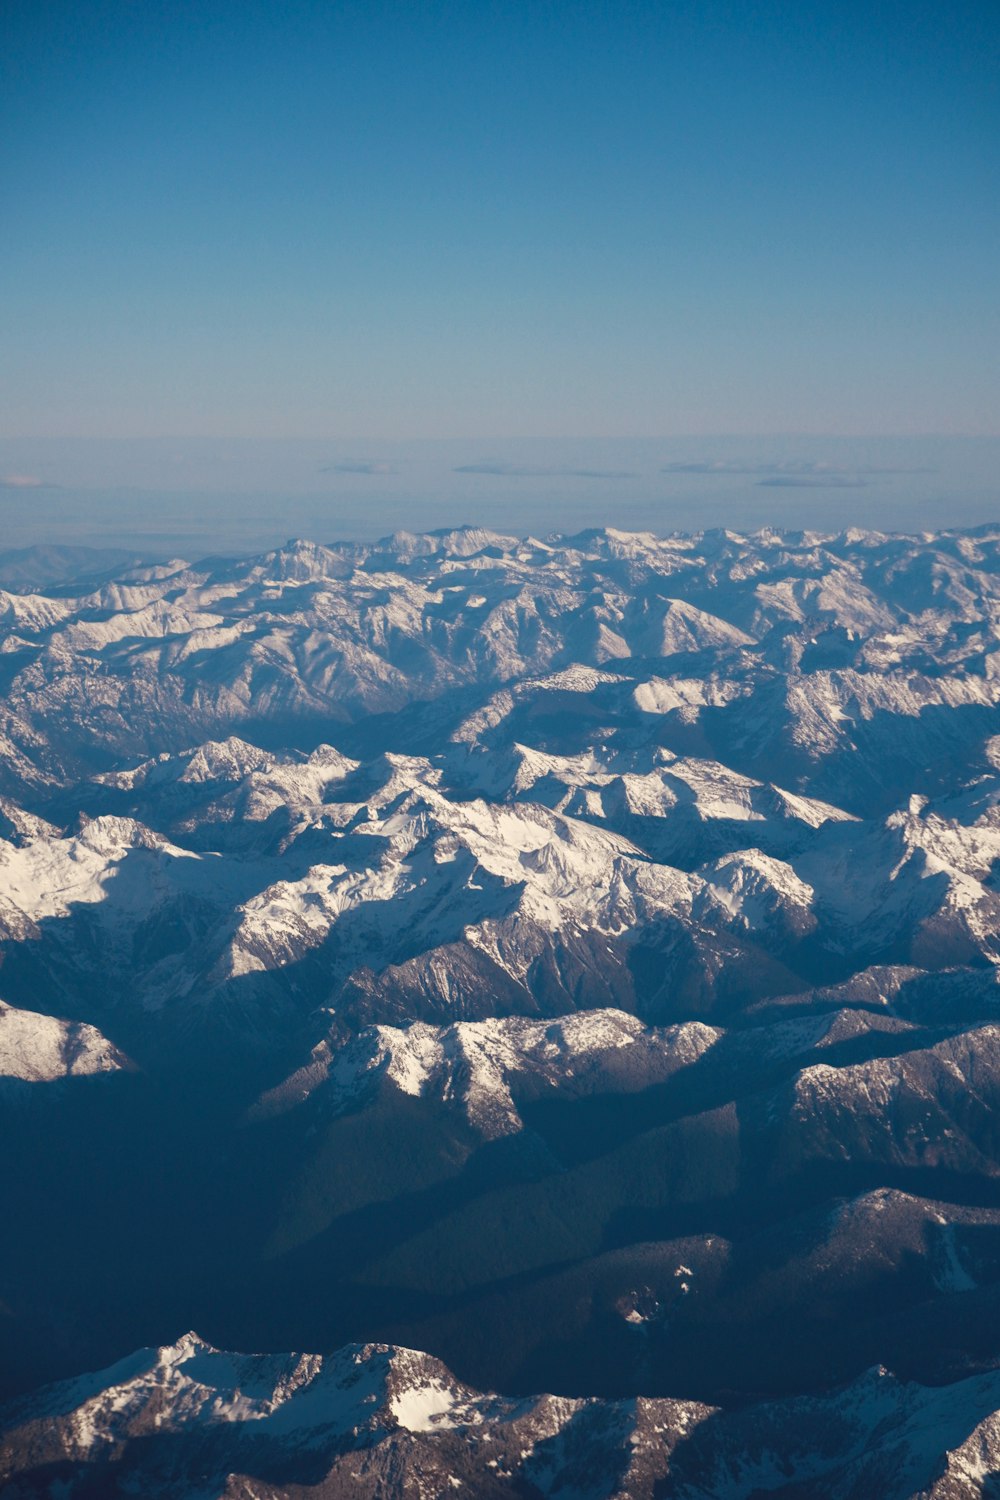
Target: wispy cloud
358, 468
24, 482
518, 471
814, 482
814, 472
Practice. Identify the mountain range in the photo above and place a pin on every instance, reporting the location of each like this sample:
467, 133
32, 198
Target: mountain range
575, 958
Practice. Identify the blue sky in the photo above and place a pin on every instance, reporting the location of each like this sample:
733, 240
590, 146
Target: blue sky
489, 221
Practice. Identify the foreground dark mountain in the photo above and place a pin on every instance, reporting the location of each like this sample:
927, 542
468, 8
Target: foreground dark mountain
574, 958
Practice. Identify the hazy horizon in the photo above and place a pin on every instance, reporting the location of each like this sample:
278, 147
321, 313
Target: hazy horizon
238, 495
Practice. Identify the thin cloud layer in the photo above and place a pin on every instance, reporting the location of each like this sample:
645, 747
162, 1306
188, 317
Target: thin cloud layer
517, 471
821, 473
24, 482
358, 468
813, 482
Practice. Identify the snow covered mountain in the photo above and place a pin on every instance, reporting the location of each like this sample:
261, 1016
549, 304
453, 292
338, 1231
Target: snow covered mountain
375, 1419
37, 1048
789, 650
578, 957
481, 1068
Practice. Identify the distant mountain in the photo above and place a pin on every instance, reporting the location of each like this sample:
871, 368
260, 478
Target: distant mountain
26, 569
843, 661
